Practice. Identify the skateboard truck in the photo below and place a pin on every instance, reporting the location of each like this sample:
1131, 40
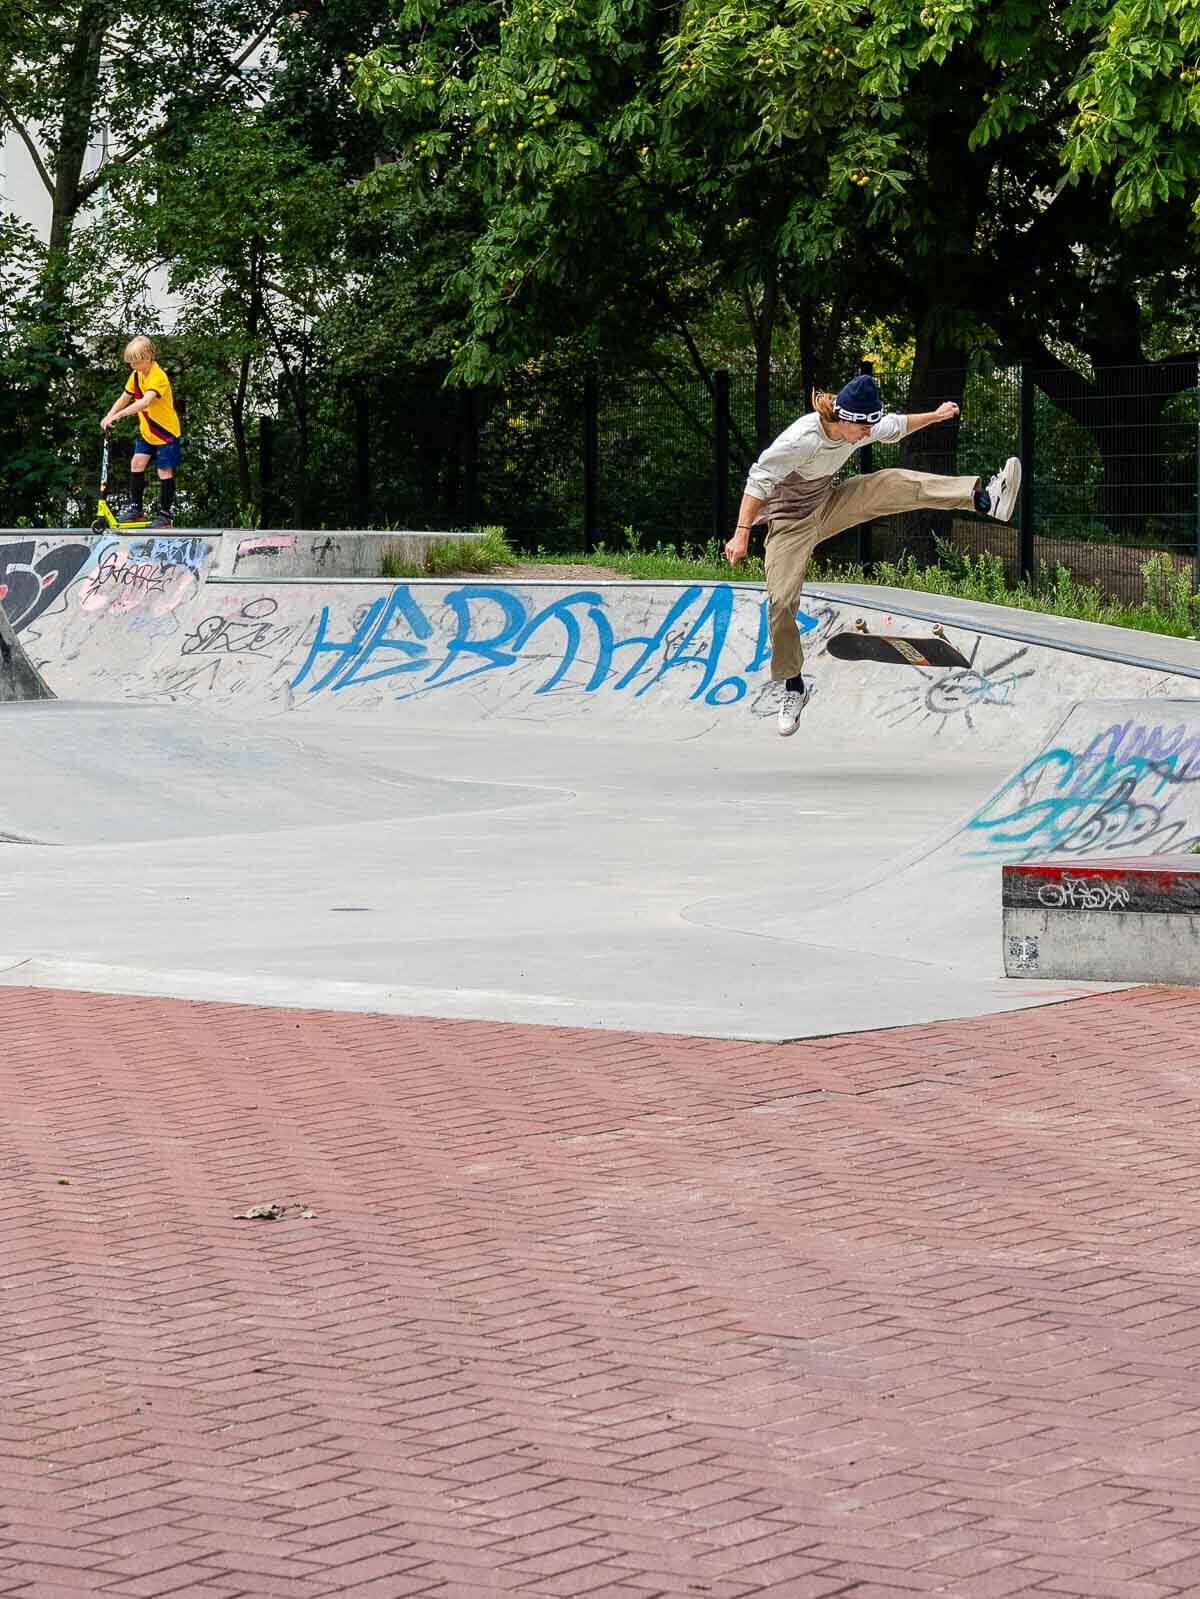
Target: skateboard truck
860, 626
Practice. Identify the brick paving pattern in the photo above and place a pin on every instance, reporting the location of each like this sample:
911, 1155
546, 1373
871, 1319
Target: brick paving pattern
582, 1313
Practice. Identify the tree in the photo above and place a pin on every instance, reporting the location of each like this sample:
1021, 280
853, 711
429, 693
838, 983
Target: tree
913, 159
1137, 105
91, 88
92, 85
251, 227
603, 216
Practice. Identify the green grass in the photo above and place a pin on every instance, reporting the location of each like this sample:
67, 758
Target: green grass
694, 563
488, 551
1170, 605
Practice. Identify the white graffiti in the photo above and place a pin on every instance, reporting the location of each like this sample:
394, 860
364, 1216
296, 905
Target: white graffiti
1077, 893
1023, 954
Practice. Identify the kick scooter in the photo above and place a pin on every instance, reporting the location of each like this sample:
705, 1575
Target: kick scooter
105, 518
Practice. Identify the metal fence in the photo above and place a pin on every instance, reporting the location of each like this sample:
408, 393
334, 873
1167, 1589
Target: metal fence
564, 460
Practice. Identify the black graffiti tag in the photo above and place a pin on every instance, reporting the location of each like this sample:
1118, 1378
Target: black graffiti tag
29, 586
250, 632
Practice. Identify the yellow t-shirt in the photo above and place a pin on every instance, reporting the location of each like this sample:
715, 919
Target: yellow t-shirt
158, 422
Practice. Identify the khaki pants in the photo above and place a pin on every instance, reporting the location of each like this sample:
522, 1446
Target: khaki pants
858, 499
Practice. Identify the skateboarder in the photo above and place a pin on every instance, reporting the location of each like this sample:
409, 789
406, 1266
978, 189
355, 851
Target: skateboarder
791, 487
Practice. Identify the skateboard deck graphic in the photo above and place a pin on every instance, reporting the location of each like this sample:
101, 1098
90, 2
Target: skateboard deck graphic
896, 649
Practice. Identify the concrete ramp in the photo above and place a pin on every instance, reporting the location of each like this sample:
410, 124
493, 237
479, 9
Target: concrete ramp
150, 619
1119, 778
547, 801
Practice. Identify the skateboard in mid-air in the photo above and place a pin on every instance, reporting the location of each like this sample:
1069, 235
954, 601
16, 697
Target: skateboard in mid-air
896, 649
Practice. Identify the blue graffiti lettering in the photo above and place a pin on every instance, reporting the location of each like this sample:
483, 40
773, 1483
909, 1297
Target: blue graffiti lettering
1112, 795
168, 551
562, 610
370, 637
492, 629
1175, 748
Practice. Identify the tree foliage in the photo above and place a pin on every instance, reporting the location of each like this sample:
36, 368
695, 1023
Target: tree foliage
913, 146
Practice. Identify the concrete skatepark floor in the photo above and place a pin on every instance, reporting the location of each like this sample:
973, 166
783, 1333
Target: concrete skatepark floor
520, 873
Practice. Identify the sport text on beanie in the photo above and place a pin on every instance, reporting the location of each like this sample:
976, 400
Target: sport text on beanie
859, 401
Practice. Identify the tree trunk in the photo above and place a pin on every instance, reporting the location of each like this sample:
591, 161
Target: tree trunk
939, 373
303, 473
79, 109
237, 414
237, 400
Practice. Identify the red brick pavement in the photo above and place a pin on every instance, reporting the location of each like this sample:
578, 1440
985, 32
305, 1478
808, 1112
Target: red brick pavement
585, 1313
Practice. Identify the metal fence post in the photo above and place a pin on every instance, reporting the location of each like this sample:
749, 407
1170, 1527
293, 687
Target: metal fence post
362, 457
470, 426
1026, 542
591, 457
867, 457
266, 471
721, 529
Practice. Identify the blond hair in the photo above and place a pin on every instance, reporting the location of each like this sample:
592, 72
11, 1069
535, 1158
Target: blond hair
825, 405
140, 349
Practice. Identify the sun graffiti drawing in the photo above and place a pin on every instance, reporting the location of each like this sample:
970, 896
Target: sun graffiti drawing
962, 691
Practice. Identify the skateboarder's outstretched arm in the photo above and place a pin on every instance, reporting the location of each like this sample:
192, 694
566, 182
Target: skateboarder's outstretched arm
923, 419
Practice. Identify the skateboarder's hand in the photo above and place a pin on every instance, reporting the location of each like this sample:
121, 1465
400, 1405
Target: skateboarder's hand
737, 546
946, 412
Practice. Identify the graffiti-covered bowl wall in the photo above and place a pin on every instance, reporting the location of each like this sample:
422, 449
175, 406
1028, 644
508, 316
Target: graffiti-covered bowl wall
150, 619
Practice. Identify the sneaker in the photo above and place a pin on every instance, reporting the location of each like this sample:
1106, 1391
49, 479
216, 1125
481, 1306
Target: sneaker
162, 519
130, 512
1002, 490
790, 711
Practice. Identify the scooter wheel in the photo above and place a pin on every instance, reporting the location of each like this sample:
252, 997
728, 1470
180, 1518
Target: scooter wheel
99, 525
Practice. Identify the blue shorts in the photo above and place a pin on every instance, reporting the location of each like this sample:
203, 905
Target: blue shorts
162, 455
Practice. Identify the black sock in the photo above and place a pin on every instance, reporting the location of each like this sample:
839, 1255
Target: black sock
983, 500
794, 685
166, 494
137, 489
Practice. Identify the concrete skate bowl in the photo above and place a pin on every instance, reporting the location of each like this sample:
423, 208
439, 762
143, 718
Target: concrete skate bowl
550, 802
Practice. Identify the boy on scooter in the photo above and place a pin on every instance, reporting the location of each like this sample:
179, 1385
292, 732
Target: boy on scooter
147, 395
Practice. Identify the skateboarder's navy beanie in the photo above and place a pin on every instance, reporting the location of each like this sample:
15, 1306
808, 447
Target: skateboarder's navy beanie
859, 399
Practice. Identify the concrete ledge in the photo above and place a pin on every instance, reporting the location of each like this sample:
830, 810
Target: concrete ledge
321, 555
1158, 652
1132, 919
268, 552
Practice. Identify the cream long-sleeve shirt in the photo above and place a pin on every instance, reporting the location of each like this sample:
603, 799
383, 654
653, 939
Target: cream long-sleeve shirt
795, 475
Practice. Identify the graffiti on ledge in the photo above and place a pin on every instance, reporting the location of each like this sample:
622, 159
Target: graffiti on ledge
154, 573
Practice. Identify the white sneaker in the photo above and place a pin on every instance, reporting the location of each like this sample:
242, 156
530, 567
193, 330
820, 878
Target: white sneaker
790, 711
1002, 490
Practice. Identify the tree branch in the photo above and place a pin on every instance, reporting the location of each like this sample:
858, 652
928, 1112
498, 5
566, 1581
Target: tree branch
235, 63
232, 65
15, 122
